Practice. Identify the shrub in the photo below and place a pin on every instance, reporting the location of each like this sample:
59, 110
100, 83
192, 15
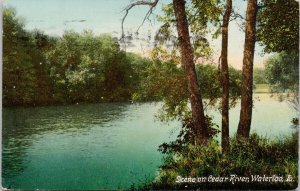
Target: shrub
258, 156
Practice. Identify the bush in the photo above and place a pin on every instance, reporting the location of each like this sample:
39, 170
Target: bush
258, 156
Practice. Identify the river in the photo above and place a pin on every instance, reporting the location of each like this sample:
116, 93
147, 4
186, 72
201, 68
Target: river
103, 146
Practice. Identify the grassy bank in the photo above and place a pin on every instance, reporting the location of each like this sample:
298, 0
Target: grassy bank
262, 88
257, 164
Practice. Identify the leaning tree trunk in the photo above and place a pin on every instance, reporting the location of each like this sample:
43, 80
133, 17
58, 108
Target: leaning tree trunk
225, 78
187, 60
243, 131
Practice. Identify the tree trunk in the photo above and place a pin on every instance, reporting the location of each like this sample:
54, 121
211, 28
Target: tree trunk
225, 78
243, 131
187, 60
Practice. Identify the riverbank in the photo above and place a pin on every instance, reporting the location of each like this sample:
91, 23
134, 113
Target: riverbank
257, 164
262, 88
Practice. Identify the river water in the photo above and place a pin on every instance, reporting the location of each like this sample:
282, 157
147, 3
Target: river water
103, 146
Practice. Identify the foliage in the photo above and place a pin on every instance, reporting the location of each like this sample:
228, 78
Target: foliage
89, 68
260, 81
203, 18
258, 156
259, 76
281, 35
166, 81
209, 80
186, 136
13, 65
262, 88
278, 26
24, 73
161, 81
40, 69
282, 73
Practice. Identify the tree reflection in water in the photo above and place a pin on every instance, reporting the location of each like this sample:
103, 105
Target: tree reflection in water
21, 125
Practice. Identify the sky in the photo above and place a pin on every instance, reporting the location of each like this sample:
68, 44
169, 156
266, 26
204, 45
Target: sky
53, 17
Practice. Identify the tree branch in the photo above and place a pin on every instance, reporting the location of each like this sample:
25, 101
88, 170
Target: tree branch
137, 3
235, 16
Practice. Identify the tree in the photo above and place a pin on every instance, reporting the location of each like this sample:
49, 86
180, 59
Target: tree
278, 31
244, 126
89, 68
44, 86
282, 73
173, 91
204, 21
278, 25
19, 74
259, 76
225, 78
187, 60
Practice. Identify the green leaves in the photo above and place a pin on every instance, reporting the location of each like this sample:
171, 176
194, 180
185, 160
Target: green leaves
204, 19
256, 156
39, 69
86, 67
161, 79
278, 26
19, 61
282, 71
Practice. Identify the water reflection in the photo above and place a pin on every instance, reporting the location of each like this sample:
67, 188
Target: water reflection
21, 125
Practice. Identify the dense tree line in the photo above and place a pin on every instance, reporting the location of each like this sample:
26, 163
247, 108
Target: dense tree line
89, 68
23, 74
278, 31
39, 69
75, 68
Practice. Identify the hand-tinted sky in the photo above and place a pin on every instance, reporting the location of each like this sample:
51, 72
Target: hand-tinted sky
104, 16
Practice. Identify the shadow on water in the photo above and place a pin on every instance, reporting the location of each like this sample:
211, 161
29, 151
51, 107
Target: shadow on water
21, 125
96, 146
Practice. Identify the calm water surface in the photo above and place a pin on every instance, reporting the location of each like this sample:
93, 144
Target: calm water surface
102, 146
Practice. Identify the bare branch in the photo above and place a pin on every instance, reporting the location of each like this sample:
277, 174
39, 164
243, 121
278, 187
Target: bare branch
146, 16
137, 3
235, 16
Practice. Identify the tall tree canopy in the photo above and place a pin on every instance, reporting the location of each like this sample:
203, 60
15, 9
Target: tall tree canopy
24, 73
204, 18
278, 26
86, 67
282, 73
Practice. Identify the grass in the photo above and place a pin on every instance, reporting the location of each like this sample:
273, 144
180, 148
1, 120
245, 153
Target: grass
262, 88
258, 156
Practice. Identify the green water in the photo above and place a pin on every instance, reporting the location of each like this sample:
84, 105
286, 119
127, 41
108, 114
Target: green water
101, 146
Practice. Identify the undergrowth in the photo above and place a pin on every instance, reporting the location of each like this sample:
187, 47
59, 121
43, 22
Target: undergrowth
257, 156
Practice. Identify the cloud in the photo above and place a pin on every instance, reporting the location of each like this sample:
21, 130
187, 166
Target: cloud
38, 21
74, 21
